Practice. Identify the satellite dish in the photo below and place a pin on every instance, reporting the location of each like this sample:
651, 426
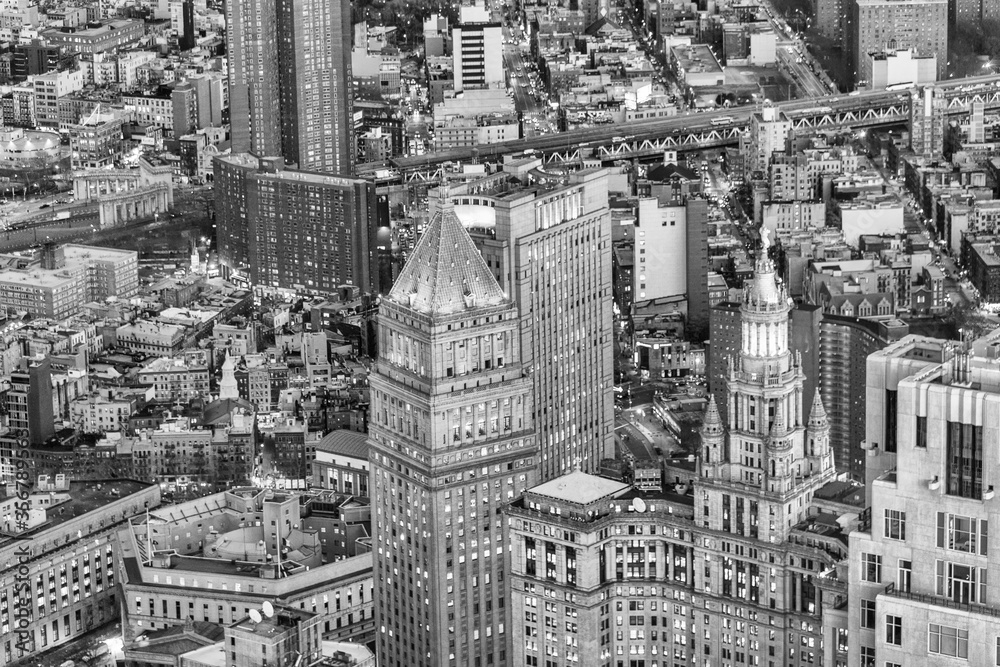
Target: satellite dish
255, 616
639, 505
268, 609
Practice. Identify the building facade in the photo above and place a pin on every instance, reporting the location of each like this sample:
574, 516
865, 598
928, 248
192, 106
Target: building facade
290, 80
876, 25
72, 565
921, 581
477, 50
331, 242
552, 252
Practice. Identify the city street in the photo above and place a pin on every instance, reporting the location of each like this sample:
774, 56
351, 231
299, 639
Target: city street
808, 83
519, 77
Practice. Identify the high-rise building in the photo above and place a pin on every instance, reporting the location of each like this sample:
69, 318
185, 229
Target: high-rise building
769, 134
928, 109
283, 229
186, 40
873, 26
886, 369
551, 251
833, 351
290, 85
921, 583
477, 50
451, 442
29, 400
829, 18
722, 568
254, 75
972, 13
317, 89
977, 125
726, 341
671, 243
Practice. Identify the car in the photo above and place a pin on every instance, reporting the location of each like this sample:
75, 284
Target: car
45, 206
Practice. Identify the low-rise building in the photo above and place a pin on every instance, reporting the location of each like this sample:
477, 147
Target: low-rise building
216, 558
70, 562
341, 463
150, 337
175, 378
103, 38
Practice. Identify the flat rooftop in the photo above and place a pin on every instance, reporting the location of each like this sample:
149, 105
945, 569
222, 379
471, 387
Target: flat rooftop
695, 58
213, 655
85, 496
579, 487
842, 492
37, 276
75, 252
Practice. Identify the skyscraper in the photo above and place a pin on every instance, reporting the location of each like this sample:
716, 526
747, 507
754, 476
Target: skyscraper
922, 581
295, 230
317, 90
833, 350
451, 442
886, 369
290, 81
551, 249
252, 50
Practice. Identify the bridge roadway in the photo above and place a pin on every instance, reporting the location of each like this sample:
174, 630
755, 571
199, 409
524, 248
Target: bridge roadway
807, 112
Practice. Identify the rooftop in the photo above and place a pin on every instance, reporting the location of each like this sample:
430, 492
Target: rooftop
695, 58
177, 639
349, 443
842, 492
37, 277
446, 274
84, 497
580, 488
75, 252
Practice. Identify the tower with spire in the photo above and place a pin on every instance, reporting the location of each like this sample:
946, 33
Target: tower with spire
451, 441
757, 478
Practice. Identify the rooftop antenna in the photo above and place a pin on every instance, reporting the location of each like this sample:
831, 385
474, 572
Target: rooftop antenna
268, 609
255, 616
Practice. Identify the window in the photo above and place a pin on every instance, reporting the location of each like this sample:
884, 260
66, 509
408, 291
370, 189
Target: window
868, 614
922, 432
998, 651
965, 460
895, 524
893, 630
960, 583
942, 640
867, 656
905, 572
871, 568
962, 533
890, 420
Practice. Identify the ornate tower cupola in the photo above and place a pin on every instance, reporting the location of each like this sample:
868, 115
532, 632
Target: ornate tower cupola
765, 320
818, 451
713, 439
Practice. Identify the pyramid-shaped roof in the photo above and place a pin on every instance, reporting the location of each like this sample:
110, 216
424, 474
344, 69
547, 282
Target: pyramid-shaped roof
817, 415
712, 423
446, 274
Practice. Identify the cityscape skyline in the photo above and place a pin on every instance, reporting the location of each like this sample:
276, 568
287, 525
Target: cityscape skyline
552, 334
